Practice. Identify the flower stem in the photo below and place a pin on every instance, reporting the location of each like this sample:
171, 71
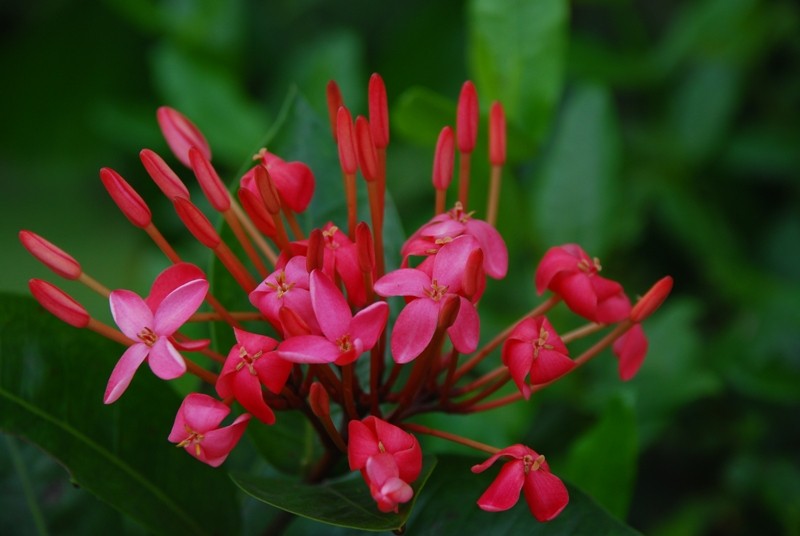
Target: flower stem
254, 233
420, 429
494, 195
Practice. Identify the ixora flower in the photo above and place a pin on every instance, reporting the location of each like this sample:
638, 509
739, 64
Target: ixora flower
525, 471
197, 430
151, 322
310, 318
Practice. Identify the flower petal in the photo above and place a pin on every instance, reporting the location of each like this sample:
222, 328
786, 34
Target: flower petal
200, 413
465, 331
495, 253
124, 370
545, 494
178, 306
503, 492
218, 444
414, 329
170, 279
330, 307
449, 262
165, 361
368, 324
308, 349
130, 312
403, 282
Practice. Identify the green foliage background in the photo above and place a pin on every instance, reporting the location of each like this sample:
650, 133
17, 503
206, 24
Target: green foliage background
664, 137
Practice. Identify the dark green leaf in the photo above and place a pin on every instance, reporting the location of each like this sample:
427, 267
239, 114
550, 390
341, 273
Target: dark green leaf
603, 461
420, 114
344, 502
517, 50
52, 378
574, 200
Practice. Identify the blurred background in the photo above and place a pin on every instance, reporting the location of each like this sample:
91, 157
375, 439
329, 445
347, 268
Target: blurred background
664, 136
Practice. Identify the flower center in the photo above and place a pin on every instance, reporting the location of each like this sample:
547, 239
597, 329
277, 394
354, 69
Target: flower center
457, 213
436, 292
529, 463
248, 360
281, 286
328, 234
192, 438
148, 337
541, 342
344, 343
589, 267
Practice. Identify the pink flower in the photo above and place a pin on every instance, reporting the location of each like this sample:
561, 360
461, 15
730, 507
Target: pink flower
389, 460
345, 337
176, 294
251, 363
630, 349
569, 272
454, 223
526, 471
293, 180
418, 320
196, 429
534, 346
286, 287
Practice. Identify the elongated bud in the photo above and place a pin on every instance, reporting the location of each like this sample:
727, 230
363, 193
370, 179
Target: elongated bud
467, 118
346, 141
59, 303
443, 160
209, 180
335, 101
472, 279
448, 311
162, 174
196, 222
319, 400
365, 247
497, 134
378, 111
55, 258
292, 324
257, 212
652, 300
266, 187
367, 157
316, 251
181, 134
129, 202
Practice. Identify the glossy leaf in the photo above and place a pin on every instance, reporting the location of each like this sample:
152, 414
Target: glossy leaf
52, 379
344, 502
517, 53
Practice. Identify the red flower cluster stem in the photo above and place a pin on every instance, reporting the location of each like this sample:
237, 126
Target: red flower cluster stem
319, 307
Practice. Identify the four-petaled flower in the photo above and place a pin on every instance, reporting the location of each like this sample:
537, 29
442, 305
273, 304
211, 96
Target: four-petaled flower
175, 296
534, 346
197, 430
526, 471
251, 363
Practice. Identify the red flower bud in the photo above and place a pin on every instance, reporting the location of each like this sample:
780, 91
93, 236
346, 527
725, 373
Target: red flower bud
378, 111
319, 400
58, 260
335, 101
467, 118
367, 157
346, 141
129, 202
266, 187
365, 247
651, 301
59, 303
196, 222
162, 174
181, 134
443, 160
252, 204
209, 180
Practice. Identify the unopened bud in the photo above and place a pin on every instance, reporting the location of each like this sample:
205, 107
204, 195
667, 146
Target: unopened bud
129, 202
266, 187
315, 255
59, 303
58, 260
473, 277
196, 222
181, 134
292, 324
346, 141
367, 157
449, 311
443, 159
467, 118
319, 400
335, 101
254, 206
378, 111
365, 248
652, 300
209, 180
162, 174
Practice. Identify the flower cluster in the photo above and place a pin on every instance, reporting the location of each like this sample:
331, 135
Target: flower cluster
319, 308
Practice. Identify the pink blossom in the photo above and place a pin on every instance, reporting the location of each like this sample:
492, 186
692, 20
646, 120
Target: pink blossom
286, 287
534, 347
251, 363
569, 273
345, 337
454, 223
385, 485
526, 471
176, 294
419, 319
630, 349
196, 429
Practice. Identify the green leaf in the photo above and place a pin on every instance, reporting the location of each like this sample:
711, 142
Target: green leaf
448, 503
603, 462
52, 378
421, 113
344, 502
517, 50
574, 200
